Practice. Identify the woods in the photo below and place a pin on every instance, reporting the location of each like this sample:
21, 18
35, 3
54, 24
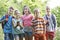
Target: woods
18, 4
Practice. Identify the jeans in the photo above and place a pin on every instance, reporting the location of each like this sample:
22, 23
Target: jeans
18, 36
8, 36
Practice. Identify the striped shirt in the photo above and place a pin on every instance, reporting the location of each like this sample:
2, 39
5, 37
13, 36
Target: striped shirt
39, 25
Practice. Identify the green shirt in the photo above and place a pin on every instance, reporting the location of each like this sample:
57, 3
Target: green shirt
17, 29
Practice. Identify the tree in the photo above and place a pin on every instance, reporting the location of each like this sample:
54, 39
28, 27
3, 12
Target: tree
56, 11
18, 4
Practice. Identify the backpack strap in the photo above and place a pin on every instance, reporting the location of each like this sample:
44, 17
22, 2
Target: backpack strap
53, 19
46, 17
4, 22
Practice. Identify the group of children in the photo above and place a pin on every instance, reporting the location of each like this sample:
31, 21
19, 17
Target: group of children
28, 26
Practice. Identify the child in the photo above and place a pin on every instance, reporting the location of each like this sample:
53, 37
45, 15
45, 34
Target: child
51, 24
27, 18
4, 21
39, 26
7, 24
17, 27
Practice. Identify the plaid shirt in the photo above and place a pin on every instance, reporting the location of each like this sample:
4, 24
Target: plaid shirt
39, 25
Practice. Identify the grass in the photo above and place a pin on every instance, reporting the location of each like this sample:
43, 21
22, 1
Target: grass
1, 33
57, 34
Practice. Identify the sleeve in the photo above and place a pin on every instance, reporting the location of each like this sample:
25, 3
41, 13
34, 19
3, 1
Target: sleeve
54, 21
44, 17
21, 22
13, 22
32, 17
2, 19
45, 20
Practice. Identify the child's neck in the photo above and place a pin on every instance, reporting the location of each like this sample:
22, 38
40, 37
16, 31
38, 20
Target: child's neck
27, 14
49, 14
17, 17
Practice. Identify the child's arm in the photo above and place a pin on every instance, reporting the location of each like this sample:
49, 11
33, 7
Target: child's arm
14, 24
54, 22
2, 19
21, 23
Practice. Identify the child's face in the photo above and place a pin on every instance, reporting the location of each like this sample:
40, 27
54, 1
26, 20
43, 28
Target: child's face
37, 13
48, 10
10, 11
16, 14
26, 10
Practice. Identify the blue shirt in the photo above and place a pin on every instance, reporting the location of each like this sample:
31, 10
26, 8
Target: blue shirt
8, 25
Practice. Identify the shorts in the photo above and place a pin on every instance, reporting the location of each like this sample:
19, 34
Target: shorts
49, 34
28, 33
40, 36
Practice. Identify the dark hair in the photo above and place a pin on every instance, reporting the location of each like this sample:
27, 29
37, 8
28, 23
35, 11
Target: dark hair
11, 8
36, 9
15, 11
47, 7
28, 10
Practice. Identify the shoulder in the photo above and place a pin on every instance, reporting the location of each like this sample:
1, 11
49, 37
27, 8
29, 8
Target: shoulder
21, 16
53, 15
45, 16
3, 16
31, 14
13, 19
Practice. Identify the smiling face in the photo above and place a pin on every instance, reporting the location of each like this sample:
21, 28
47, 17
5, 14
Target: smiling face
36, 13
26, 10
17, 14
48, 10
10, 10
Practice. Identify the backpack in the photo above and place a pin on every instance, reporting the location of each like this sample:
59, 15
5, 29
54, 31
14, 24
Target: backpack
52, 19
4, 22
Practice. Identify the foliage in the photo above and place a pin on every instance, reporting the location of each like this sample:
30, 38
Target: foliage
18, 4
56, 11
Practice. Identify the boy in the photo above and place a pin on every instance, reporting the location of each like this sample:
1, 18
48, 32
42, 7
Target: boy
7, 25
39, 26
51, 24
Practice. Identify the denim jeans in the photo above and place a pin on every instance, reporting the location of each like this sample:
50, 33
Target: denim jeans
8, 36
18, 36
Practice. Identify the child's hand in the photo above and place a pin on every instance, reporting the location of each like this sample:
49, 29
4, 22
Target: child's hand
46, 21
18, 23
6, 19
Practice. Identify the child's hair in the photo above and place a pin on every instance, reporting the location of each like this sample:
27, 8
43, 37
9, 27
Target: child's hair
36, 10
11, 8
48, 7
16, 12
28, 9
18, 23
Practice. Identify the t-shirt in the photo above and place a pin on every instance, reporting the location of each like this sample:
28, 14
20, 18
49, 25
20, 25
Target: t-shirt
8, 26
51, 25
27, 20
39, 25
17, 29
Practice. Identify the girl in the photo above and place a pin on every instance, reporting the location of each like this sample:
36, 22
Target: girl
27, 18
17, 26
